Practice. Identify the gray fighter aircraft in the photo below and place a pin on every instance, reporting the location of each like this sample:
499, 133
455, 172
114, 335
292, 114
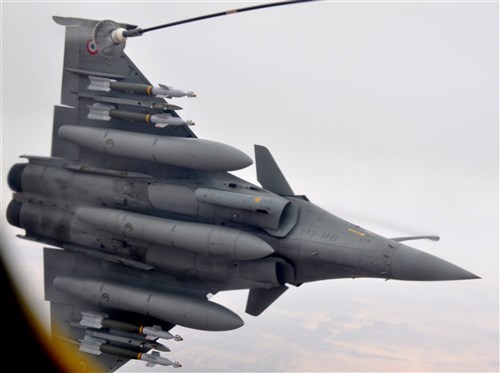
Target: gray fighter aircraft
151, 223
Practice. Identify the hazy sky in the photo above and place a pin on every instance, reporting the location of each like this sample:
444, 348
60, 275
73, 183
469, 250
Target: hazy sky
385, 114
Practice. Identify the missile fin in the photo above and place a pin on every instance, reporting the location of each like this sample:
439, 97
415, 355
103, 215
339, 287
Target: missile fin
99, 111
92, 320
161, 125
92, 345
99, 84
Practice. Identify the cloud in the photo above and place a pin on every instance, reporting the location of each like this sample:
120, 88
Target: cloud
317, 320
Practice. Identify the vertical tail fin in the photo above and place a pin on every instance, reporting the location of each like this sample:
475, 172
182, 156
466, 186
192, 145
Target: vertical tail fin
269, 174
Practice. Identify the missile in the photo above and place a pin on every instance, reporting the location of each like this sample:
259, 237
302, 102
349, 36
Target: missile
199, 238
97, 346
98, 321
106, 85
187, 311
193, 153
106, 112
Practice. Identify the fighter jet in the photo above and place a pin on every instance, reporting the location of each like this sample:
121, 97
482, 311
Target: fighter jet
145, 221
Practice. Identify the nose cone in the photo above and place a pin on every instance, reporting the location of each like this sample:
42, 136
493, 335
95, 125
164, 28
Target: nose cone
414, 265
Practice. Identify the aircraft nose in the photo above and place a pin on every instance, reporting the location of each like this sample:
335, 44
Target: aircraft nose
414, 265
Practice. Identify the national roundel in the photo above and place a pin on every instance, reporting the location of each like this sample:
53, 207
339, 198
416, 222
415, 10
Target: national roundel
91, 47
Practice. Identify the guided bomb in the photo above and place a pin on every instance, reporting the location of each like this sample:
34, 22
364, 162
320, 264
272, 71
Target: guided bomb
106, 84
98, 321
106, 112
97, 346
130, 340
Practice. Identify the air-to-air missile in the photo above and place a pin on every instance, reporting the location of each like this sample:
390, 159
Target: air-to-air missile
106, 112
106, 85
97, 346
178, 309
193, 153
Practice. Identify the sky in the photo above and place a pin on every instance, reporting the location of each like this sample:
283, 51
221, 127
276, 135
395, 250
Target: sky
383, 113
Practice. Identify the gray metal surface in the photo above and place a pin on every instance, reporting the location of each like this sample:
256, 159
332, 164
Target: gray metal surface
182, 310
204, 239
269, 174
196, 154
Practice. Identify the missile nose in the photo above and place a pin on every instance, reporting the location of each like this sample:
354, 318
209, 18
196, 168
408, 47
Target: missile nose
414, 265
